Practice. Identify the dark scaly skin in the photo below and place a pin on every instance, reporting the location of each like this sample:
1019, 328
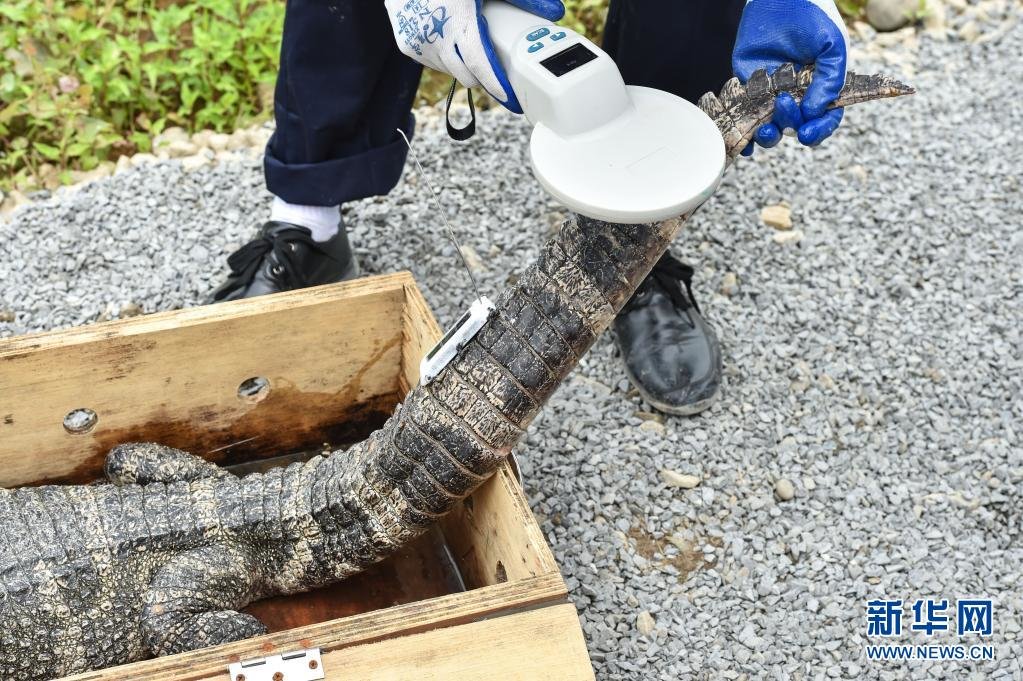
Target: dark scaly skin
161, 560
739, 106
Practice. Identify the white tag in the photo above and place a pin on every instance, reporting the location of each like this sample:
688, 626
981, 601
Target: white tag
464, 330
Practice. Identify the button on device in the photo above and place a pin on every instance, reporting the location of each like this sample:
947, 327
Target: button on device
535, 47
537, 34
558, 36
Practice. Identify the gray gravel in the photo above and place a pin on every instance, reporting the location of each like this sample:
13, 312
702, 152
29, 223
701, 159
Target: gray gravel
874, 371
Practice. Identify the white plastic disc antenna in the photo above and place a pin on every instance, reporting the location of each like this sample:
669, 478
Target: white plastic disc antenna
659, 161
603, 149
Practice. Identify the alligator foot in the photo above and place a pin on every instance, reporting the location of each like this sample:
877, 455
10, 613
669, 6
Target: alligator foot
193, 601
205, 630
142, 463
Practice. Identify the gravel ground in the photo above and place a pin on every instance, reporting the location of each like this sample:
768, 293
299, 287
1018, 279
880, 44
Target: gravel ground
875, 364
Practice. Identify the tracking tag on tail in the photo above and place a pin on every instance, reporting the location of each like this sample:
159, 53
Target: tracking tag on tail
464, 330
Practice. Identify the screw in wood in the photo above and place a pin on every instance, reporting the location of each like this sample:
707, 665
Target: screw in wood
240, 677
279, 676
313, 664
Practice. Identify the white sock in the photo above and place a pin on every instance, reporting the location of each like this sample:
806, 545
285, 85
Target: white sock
322, 221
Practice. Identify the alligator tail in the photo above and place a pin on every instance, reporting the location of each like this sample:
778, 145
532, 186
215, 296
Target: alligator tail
740, 109
452, 434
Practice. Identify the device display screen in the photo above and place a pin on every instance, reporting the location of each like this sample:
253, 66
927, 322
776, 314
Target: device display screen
568, 60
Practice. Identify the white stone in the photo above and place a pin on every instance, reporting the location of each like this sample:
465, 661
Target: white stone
14, 199
890, 15
194, 162
792, 236
218, 141
970, 31
237, 140
202, 138
784, 490
102, 170
778, 216
653, 427
645, 623
472, 259
676, 479
171, 134
180, 149
935, 18
130, 310
729, 284
859, 172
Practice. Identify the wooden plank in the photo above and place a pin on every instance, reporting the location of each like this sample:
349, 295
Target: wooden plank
546, 643
421, 333
336, 634
332, 355
382, 326
494, 536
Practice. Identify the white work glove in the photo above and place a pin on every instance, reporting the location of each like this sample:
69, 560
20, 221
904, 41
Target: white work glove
452, 36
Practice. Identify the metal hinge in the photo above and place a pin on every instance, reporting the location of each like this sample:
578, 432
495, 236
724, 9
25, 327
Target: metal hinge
300, 665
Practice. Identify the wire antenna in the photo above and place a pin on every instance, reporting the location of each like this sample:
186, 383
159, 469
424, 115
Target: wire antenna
440, 209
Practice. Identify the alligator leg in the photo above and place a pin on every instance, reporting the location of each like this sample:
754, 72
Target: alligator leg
141, 463
192, 601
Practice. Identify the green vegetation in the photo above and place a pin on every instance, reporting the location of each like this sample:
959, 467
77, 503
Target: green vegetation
85, 81
82, 82
853, 9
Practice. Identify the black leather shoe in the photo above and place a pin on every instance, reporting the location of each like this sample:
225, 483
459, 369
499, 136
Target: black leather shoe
285, 257
671, 354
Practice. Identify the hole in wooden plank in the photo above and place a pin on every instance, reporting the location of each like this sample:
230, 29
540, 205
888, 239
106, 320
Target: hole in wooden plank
79, 421
501, 574
255, 389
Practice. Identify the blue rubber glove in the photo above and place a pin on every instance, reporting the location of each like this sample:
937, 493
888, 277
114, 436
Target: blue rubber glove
452, 36
775, 32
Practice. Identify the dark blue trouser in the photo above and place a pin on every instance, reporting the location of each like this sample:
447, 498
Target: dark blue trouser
343, 86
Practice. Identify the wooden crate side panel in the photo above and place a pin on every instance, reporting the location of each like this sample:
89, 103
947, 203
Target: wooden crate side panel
445, 611
545, 643
494, 536
421, 333
332, 355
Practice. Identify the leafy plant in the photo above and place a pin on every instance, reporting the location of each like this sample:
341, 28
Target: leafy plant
84, 82
852, 9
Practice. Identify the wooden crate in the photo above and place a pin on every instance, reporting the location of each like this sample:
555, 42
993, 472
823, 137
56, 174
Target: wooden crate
337, 358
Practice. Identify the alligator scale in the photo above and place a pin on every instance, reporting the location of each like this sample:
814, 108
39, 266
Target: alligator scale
162, 558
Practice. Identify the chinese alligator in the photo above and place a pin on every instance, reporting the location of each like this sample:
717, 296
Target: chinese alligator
162, 558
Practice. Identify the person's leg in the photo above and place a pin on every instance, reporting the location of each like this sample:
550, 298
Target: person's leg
343, 90
684, 47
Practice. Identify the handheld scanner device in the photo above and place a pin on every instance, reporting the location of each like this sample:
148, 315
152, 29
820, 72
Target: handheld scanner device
606, 150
